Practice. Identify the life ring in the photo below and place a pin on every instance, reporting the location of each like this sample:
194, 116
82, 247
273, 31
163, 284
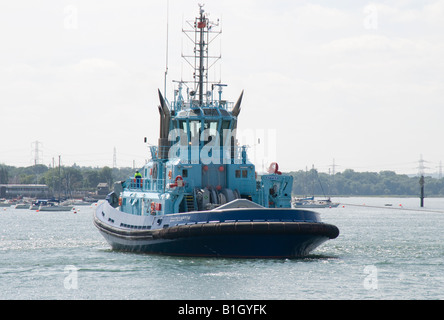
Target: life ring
153, 206
274, 168
178, 182
120, 201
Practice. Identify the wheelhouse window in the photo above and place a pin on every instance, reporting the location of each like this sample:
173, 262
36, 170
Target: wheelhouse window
225, 133
210, 130
241, 173
195, 131
183, 126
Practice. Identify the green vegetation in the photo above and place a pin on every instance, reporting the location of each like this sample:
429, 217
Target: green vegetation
351, 183
347, 183
64, 179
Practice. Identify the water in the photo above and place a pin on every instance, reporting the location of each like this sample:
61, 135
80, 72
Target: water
382, 252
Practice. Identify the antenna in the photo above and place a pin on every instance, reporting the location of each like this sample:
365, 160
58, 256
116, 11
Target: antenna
201, 32
166, 58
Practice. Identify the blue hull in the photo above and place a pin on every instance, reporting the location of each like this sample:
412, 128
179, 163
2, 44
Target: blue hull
257, 233
234, 246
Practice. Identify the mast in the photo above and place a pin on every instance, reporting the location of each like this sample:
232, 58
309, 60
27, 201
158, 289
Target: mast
166, 53
201, 34
201, 24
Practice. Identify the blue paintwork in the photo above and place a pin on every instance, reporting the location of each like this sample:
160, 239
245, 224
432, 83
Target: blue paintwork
272, 237
196, 167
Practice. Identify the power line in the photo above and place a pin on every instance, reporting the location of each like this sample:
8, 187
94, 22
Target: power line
333, 166
421, 167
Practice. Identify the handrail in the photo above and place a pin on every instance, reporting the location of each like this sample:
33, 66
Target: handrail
145, 184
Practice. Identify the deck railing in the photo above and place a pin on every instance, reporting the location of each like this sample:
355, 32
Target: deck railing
145, 184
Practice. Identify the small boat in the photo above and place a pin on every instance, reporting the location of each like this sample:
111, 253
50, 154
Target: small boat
199, 195
311, 202
4, 204
21, 206
54, 207
37, 203
49, 205
77, 202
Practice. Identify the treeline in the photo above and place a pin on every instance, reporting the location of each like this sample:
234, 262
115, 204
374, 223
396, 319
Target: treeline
351, 183
65, 179
305, 183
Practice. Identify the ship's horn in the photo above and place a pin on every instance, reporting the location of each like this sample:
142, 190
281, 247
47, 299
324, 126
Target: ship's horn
237, 108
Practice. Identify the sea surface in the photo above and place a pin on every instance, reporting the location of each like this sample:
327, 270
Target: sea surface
388, 248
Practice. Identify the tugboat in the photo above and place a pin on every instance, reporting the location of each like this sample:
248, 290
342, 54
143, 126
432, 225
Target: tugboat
199, 195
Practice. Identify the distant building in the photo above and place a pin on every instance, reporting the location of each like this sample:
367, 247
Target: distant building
102, 189
10, 191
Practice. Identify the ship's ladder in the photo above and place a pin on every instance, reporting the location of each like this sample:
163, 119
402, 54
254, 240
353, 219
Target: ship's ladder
189, 198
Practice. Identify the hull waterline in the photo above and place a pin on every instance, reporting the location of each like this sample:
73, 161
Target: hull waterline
252, 239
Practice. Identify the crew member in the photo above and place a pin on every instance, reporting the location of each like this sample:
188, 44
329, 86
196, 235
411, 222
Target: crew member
138, 177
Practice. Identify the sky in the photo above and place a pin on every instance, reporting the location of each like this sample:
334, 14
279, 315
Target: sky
357, 84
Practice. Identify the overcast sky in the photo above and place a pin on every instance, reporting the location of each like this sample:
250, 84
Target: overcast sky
356, 81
